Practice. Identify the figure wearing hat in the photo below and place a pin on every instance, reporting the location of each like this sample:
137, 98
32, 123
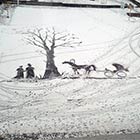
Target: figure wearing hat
30, 71
20, 72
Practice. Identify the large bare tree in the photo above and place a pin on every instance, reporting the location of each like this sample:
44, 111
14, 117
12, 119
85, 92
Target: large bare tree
49, 40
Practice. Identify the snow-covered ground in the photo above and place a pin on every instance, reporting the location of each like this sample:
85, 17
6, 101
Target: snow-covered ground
88, 106
104, 33
83, 1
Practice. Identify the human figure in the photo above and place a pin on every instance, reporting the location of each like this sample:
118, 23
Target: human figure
20, 72
30, 71
119, 67
130, 7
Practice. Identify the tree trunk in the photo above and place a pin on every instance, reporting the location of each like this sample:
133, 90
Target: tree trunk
51, 69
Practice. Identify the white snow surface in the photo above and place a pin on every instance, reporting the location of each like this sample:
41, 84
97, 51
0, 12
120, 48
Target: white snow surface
109, 2
97, 106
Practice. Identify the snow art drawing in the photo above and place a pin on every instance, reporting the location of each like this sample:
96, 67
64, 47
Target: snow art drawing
70, 69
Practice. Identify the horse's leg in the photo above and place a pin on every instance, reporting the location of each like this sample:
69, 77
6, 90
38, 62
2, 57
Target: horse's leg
77, 72
88, 72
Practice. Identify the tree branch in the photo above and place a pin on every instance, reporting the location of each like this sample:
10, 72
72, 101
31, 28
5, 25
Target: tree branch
50, 39
34, 43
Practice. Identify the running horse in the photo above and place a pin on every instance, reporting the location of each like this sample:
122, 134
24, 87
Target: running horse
75, 67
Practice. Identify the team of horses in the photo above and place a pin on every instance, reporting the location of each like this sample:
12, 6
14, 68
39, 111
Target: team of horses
89, 68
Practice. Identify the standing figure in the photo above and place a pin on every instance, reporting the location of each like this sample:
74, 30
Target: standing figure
30, 71
20, 72
130, 7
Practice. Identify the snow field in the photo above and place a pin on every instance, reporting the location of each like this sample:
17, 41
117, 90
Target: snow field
100, 107
89, 106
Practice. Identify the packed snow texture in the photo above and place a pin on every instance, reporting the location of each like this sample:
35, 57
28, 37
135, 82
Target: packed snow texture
89, 1
92, 106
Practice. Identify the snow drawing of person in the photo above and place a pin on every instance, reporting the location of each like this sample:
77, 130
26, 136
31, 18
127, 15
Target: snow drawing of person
119, 67
20, 72
30, 71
